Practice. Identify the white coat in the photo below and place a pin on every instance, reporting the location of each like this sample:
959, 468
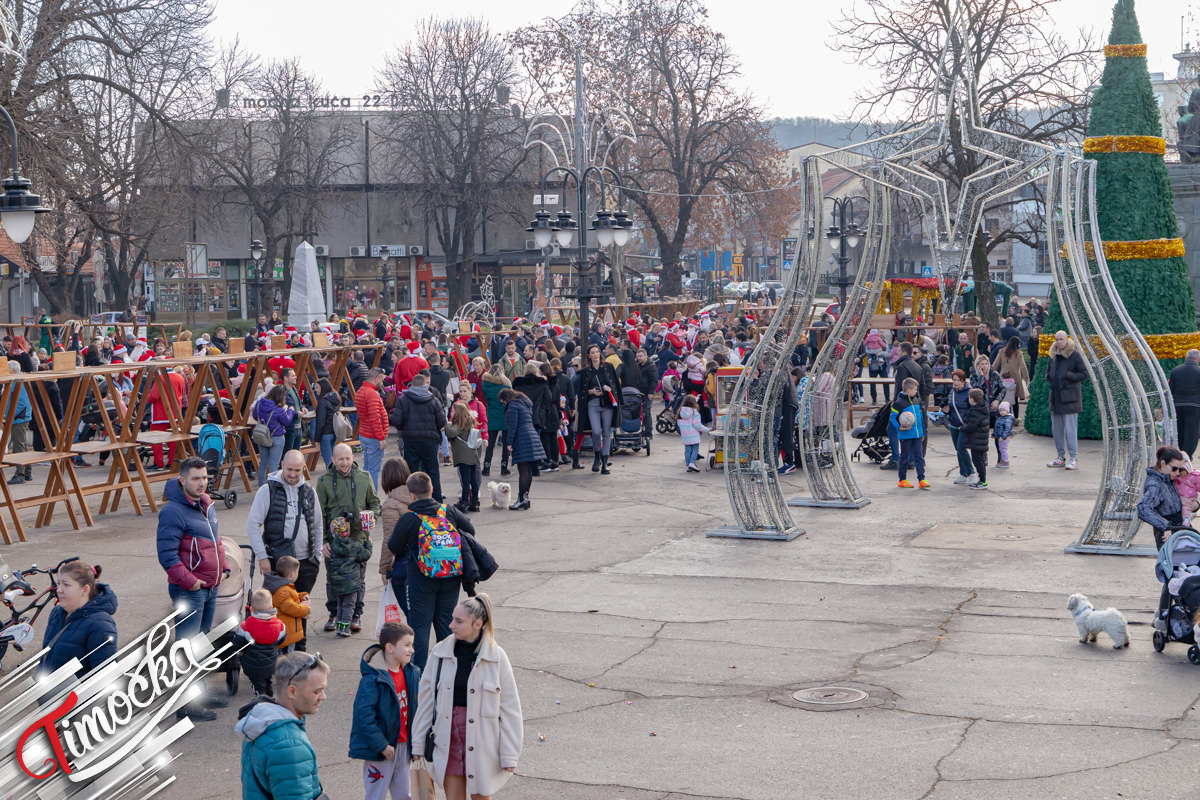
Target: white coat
495, 725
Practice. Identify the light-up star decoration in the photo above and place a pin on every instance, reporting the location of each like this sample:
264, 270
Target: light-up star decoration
1131, 394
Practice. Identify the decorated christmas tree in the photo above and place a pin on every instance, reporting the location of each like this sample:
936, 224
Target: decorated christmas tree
1136, 213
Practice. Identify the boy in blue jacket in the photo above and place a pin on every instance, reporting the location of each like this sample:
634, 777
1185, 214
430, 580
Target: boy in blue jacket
384, 708
911, 436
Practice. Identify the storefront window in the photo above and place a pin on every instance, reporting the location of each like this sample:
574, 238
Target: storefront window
234, 292
168, 297
215, 296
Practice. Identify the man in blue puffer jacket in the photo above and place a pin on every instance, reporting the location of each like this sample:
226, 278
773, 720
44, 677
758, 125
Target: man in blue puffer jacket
278, 761
189, 549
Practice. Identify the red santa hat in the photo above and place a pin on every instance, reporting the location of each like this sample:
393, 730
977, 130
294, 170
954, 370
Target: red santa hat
289, 330
120, 350
362, 336
518, 321
635, 338
414, 348
704, 315
557, 329
142, 340
406, 331
749, 318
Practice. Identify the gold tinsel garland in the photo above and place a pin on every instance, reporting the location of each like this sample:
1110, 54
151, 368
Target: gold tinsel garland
1155, 145
891, 299
1164, 346
1129, 251
1124, 51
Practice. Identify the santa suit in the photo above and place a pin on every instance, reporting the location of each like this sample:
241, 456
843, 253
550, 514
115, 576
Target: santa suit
407, 368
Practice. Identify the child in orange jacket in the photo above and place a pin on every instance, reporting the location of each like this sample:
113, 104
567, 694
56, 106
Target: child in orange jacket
291, 607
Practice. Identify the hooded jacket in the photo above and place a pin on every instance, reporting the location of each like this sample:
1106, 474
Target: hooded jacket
522, 438
439, 378
327, 405
189, 543
419, 416
1160, 505
89, 633
372, 416
376, 723
492, 385
346, 494
288, 606
274, 417
278, 761
1065, 371
975, 427
544, 411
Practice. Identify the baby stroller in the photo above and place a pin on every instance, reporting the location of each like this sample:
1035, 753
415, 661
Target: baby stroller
631, 433
233, 600
210, 444
873, 433
666, 420
1173, 622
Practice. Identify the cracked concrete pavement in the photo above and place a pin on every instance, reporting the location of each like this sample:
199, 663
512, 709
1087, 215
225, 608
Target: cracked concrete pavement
659, 664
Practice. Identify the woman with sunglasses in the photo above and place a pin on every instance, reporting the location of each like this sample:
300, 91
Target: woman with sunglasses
1160, 506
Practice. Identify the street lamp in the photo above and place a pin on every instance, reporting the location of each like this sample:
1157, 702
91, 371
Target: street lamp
256, 255
18, 205
385, 256
843, 235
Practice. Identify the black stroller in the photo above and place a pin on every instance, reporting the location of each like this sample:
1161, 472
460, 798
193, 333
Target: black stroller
631, 433
1173, 622
874, 442
666, 421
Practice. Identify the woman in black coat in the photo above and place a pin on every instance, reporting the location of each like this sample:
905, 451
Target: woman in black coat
535, 387
329, 402
523, 442
1065, 373
597, 401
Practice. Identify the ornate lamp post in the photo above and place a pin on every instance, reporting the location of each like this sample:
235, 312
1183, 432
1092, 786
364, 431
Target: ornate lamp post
843, 237
385, 258
256, 255
18, 205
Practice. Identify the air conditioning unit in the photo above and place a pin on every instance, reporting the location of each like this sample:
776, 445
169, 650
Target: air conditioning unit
416, 250
358, 251
322, 249
531, 244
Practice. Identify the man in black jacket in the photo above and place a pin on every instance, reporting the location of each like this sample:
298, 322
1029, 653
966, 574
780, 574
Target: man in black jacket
647, 382
1185, 391
357, 369
439, 378
906, 367
420, 419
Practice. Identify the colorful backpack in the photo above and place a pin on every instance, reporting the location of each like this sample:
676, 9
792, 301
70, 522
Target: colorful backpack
439, 547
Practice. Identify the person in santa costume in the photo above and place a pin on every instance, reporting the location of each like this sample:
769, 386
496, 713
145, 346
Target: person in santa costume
410, 365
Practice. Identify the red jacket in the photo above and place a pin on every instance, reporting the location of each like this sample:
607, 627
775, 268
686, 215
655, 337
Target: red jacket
372, 416
158, 405
407, 368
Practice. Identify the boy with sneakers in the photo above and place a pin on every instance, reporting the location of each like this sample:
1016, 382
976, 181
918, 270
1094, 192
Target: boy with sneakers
975, 429
909, 423
384, 708
291, 606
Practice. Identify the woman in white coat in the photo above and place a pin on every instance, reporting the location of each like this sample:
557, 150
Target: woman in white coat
468, 697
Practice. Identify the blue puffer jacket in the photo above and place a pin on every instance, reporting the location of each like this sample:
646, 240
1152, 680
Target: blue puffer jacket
22, 414
189, 544
522, 438
376, 722
89, 634
277, 759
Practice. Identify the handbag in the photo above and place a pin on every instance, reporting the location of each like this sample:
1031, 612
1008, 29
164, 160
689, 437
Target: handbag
474, 439
342, 429
261, 434
429, 740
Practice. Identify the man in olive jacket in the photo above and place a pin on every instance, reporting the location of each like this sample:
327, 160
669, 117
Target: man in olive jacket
344, 492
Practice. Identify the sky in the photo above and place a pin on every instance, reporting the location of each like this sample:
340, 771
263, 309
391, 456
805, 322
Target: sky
787, 59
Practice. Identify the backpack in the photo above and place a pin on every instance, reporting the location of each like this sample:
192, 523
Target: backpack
439, 547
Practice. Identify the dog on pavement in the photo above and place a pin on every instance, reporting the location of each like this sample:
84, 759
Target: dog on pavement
500, 493
1090, 622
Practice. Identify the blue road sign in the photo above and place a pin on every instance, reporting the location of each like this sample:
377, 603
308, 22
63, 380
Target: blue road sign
787, 263
926, 272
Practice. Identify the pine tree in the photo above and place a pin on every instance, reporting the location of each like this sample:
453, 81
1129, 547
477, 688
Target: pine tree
1134, 203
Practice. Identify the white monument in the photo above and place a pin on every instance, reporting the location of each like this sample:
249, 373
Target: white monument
306, 301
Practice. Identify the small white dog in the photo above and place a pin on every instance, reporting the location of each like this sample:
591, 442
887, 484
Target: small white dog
500, 493
1090, 622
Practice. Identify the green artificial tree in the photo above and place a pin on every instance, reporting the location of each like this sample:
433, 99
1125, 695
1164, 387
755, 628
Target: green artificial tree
1134, 204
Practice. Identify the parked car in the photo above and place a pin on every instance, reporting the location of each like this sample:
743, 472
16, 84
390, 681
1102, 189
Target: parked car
778, 285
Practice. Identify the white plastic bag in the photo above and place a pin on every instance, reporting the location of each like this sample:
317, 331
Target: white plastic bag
389, 609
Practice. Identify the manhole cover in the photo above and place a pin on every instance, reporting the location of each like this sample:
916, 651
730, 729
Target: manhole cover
1007, 537
830, 695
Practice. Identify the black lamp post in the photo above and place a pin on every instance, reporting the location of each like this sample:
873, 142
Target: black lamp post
385, 257
256, 255
843, 236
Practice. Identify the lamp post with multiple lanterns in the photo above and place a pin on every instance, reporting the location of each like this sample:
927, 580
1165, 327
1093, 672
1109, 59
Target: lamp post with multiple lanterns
844, 235
256, 255
385, 258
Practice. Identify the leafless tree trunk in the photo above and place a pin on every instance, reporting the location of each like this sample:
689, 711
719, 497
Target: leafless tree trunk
1032, 82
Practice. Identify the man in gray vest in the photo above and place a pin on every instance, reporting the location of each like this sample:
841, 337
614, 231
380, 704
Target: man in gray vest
285, 520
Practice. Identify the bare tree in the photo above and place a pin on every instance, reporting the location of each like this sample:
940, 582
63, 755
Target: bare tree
280, 157
453, 138
700, 138
1031, 83
93, 78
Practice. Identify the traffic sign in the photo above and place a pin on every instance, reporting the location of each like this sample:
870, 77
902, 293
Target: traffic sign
787, 263
926, 272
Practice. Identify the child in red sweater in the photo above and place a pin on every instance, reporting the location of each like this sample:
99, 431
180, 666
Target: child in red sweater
263, 634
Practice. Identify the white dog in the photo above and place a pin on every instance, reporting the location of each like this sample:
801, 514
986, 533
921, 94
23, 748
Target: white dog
500, 493
1090, 622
